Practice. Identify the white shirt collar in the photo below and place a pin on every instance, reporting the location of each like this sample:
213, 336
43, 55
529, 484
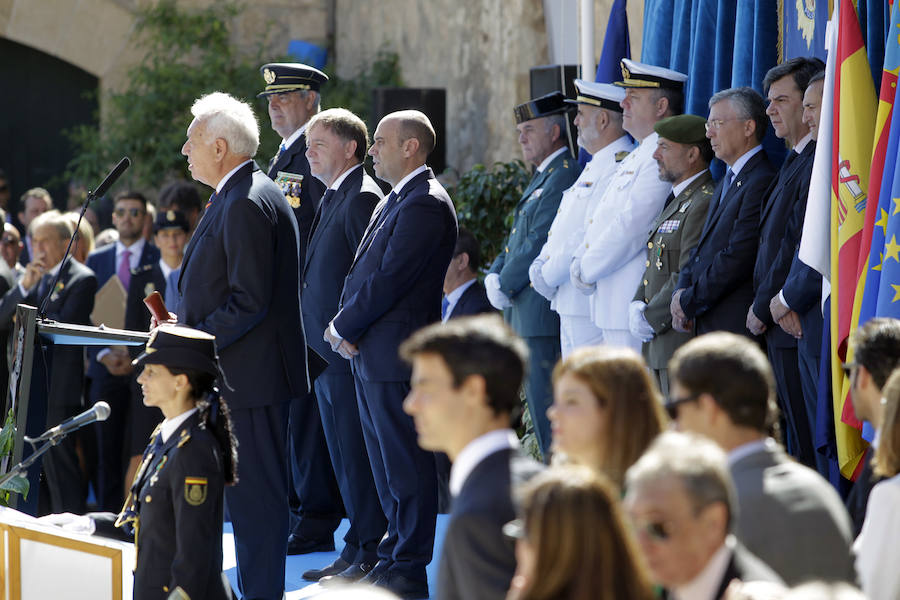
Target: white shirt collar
454, 296
801, 145
337, 182
749, 448
399, 187
475, 452
746, 156
677, 189
228, 175
136, 250
293, 137
170, 426
546, 162
705, 585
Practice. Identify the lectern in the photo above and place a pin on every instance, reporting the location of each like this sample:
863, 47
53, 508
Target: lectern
29, 329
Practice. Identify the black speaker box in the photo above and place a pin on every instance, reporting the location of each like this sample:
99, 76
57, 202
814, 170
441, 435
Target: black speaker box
431, 101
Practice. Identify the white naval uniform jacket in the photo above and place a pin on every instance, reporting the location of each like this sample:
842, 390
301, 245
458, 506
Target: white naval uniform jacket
568, 228
614, 242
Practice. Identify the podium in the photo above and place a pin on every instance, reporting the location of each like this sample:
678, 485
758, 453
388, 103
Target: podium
28, 330
39, 561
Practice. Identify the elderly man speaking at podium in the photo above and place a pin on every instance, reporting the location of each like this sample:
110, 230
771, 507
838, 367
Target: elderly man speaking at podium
240, 282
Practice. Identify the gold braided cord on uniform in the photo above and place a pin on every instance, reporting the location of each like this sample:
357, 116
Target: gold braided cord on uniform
632, 82
288, 87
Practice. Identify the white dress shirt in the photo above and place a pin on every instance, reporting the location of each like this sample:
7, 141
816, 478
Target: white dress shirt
170, 426
475, 452
705, 585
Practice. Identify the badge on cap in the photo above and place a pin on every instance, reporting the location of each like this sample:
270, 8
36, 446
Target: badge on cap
269, 76
195, 490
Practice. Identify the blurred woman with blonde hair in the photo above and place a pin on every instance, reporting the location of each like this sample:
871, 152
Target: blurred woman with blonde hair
606, 409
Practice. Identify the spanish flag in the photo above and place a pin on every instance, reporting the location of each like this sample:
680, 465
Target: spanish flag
853, 120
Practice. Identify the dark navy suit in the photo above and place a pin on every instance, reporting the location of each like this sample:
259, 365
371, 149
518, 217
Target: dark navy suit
314, 497
394, 288
473, 301
781, 225
71, 301
717, 277
339, 224
116, 389
240, 282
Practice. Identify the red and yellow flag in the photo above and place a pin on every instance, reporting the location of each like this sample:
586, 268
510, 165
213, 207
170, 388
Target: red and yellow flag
851, 158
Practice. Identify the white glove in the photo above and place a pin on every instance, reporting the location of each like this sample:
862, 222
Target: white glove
537, 280
575, 276
70, 522
498, 299
637, 322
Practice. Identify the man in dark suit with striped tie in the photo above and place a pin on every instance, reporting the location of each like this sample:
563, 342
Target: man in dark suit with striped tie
464, 295
292, 92
715, 286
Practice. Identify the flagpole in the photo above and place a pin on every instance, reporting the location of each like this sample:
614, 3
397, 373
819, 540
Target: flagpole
587, 38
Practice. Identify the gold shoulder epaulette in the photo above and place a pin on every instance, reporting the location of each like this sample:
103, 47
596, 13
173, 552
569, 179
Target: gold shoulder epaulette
185, 436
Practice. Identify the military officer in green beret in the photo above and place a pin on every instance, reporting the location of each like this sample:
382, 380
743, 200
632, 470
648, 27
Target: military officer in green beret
543, 131
683, 154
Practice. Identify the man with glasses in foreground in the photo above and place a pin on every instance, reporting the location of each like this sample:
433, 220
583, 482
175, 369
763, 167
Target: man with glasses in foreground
715, 286
681, 503
789, 516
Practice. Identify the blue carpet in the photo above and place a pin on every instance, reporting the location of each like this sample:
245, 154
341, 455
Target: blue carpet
297, 565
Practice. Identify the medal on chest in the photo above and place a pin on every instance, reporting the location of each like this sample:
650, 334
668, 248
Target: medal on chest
290, 184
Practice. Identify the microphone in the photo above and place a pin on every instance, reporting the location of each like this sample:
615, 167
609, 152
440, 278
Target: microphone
112, 177
98, 412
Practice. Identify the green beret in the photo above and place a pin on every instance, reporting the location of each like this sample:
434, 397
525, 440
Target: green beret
682, 129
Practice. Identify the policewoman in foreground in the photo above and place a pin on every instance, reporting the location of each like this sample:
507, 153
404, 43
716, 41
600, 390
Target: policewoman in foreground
176, 501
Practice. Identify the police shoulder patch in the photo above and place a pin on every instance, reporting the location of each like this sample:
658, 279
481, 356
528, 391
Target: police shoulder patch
195, 490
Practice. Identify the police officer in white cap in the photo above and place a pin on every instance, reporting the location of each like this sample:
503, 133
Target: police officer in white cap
612, 257
600, 133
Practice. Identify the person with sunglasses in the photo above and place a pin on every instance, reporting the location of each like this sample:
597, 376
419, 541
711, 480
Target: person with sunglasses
789, 516
110, 368
682, 508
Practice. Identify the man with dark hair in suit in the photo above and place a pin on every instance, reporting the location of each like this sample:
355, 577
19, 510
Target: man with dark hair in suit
292, 94
542, 127
683, 154
394, 288
788, 515
109, 368
682, 506
240, 282
464, 399
70, 301
715, 286
464, 295
338, 141
780, 228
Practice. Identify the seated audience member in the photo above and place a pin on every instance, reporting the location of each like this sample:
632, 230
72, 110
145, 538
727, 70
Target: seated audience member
464, 295
788, 515
681, 503
606, 410
876, 353
11, 248
464, 397
876, 546
573, 542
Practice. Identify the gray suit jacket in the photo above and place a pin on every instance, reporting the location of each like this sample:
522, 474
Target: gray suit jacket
791, 518
478, 561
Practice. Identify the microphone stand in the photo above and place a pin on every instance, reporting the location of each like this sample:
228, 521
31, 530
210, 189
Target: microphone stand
22, 467
91, 196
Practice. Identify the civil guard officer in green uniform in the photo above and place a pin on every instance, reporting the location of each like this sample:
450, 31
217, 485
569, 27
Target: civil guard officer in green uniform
544, 137
175, 509
683, 154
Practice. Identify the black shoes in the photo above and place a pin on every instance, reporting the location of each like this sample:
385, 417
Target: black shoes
299, 545
351, 574
333, 569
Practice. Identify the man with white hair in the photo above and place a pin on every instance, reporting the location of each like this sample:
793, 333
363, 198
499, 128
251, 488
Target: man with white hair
240, 282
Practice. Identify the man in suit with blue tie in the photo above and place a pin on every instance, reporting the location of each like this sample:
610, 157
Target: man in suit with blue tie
464, 295
292, 93
542, 134
338, 141
715, 286
240, 282
110, 368
394, 288
780, 228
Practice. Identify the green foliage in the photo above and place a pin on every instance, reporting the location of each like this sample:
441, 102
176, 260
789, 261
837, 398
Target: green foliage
485, 199
18, 484
187, 53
